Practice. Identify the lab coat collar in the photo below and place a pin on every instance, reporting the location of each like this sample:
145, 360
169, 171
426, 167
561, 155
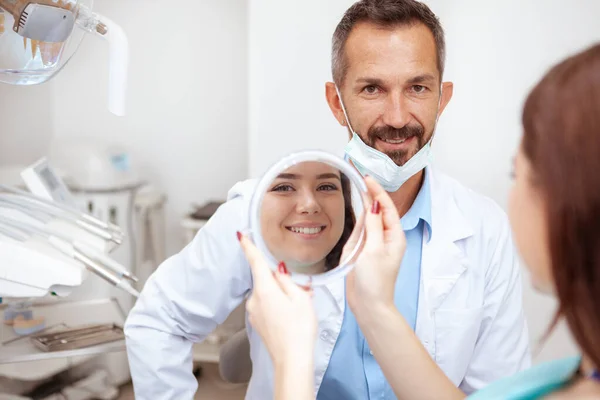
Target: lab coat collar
442, 261
445, 212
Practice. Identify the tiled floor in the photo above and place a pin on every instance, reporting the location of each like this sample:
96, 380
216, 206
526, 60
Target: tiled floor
210, 386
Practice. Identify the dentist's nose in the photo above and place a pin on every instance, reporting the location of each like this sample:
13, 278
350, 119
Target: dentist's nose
396, 112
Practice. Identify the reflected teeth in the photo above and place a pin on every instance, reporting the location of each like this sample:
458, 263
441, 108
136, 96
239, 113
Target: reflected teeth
306, 231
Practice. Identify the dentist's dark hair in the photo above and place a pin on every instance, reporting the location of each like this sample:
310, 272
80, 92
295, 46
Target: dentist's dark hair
387, 14
561, 140
333, 258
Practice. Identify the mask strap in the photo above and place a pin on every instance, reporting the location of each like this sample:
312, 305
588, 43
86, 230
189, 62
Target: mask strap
437, 118
344, 110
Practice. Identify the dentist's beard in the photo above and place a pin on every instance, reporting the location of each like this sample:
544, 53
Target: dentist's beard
400, 157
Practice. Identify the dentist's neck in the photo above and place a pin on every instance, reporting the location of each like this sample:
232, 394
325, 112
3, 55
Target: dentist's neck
404, 197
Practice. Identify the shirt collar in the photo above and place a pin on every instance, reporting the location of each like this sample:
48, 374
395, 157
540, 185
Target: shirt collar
421, 208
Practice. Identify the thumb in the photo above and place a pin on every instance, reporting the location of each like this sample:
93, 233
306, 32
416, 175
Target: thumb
261, 273
392, 230
289, 287
374, 226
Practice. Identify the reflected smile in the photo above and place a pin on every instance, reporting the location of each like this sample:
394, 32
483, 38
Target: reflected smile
313, 230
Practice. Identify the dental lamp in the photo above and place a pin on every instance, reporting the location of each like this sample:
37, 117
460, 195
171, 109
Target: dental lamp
39, 37
48, 247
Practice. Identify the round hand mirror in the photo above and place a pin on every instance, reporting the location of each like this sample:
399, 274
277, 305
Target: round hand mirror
304, 211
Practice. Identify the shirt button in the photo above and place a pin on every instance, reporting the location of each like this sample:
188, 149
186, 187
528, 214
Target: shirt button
371, 352
325, 335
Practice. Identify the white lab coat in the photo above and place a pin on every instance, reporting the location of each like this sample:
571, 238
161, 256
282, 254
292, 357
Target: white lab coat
470, 316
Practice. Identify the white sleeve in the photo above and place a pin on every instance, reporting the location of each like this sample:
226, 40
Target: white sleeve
182, 302
502, 347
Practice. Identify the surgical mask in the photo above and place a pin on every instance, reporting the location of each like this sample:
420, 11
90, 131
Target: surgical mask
370, 161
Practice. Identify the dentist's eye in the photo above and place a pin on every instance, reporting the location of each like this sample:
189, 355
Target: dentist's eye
371, 89
419, 89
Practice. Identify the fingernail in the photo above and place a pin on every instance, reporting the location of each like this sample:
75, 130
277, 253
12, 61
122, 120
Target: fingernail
282, 268
239, 235
375, 209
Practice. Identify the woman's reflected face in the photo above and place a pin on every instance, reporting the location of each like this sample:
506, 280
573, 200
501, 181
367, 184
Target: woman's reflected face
303, 215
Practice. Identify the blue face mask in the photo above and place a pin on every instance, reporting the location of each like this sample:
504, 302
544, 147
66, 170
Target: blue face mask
370, 161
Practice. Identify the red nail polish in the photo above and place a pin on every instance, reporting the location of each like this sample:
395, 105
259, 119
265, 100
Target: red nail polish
376, 207
282, 268
239, 235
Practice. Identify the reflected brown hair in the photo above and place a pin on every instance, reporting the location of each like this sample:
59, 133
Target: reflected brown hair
333, 258
561, 121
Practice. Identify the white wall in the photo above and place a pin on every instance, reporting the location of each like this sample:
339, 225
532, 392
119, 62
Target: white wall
25, 120
186, 122
289, 65
496, 52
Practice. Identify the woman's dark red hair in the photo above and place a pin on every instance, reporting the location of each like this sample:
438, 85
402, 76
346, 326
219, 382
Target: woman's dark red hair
561, 121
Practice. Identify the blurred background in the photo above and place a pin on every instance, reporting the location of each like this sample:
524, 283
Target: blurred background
220, 89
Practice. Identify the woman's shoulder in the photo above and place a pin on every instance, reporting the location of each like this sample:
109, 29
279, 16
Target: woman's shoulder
533, 383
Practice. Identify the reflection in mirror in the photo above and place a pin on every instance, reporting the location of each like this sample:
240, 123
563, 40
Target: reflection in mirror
307, 216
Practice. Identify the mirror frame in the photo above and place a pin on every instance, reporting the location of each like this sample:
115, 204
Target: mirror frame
261, 189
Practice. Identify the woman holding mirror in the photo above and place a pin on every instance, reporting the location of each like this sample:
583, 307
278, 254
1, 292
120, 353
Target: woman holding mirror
554, 210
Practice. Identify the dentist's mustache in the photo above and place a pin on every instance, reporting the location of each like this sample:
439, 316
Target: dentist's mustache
391, 133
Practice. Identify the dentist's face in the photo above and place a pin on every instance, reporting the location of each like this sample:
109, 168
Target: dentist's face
391, 89
303, 215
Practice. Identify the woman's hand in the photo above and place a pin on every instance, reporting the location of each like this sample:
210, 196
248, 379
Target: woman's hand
372, 281
281, 312
407, 366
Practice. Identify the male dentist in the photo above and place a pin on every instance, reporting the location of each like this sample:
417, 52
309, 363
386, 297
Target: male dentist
459, 285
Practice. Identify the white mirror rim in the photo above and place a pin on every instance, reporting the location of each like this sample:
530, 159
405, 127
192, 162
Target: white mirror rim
255, 211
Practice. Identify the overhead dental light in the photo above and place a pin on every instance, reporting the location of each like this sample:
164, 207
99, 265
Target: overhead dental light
38, 38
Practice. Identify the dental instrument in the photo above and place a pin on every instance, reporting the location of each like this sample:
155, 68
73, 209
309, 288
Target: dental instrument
77, 252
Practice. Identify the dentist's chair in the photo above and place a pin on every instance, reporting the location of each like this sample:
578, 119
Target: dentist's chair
235, 365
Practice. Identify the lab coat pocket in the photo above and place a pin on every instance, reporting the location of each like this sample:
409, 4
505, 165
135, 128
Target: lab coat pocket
456, 332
